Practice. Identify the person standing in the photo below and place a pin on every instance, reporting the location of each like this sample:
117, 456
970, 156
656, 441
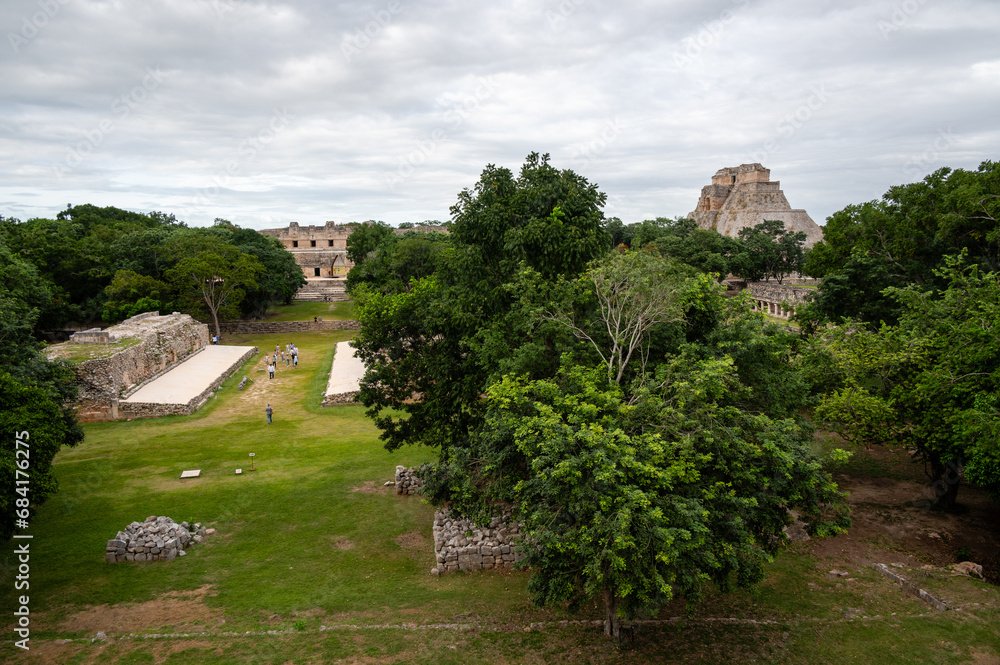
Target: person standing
270, 370
295, 357
269, 411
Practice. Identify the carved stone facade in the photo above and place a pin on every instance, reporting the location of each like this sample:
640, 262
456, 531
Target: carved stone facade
744, 196
321, 251
778, 300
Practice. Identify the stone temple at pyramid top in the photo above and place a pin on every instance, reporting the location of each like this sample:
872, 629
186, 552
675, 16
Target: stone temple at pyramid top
744, 196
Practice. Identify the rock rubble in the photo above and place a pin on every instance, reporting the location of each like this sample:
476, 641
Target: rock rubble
157, 538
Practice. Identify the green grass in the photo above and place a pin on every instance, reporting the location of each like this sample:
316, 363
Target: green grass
77, 353
305, 311
299, 547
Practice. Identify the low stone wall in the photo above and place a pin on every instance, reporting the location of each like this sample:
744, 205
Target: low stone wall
268, 327
407, 481
92, 336
155, 539
155, 410
461, 545
340, 399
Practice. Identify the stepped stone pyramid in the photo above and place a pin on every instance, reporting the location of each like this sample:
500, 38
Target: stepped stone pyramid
744, 196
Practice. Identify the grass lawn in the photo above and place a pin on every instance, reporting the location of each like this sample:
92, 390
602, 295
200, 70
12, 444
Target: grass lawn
314, 561
305, 311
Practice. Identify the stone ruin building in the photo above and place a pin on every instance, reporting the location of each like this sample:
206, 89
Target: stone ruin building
112, 363
321, 251
744, 196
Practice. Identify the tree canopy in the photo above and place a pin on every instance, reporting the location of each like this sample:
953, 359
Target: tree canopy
643, 426
930, 382
903, 238
79, 255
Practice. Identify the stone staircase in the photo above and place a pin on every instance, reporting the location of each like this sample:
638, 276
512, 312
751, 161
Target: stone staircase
319, 288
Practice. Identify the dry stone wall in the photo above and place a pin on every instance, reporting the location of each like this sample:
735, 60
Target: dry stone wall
155, 410
407, 481
155, 539
778, 299
459, 544
341, 398
266, 327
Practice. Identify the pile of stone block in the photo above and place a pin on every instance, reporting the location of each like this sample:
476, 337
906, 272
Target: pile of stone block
157, 538
407, 481
461, 545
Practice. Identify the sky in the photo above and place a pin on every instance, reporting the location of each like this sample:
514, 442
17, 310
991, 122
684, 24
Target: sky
265, 113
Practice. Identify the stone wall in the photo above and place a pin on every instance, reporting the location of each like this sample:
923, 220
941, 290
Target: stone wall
133, 410
150, 344
340, 399
268, 327
407, 481
461, 545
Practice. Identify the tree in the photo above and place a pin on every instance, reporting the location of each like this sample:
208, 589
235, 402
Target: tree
131, 293
643, 474
634, 295
446, 339
218, 276
34, 428
902, 239
930, 382
634, 503
768, 250
365, 239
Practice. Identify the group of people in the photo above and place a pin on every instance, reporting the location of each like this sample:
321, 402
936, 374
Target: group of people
289, 355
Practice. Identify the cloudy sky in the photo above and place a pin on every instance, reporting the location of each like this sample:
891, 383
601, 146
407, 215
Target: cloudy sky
270, 112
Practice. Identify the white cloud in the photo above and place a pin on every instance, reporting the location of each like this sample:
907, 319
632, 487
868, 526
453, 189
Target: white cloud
648, 99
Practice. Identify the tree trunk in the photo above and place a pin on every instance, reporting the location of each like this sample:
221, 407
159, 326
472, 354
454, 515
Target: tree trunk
945, 480
612, 624
215, 320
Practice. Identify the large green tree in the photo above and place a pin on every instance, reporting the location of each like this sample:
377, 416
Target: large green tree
647, 463
931, 382
768, 251
444, 339
217, 276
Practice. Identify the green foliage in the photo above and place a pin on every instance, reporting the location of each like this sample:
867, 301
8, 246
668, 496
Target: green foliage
392, 265
218, 276
444, 340
768, 251
365, 239
632, 501
29, 415
680, 239
649, 461
902, 239
78, 256
131, 293
929, 382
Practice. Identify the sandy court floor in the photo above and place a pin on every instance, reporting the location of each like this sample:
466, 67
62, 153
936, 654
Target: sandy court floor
190, 378
346, 372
